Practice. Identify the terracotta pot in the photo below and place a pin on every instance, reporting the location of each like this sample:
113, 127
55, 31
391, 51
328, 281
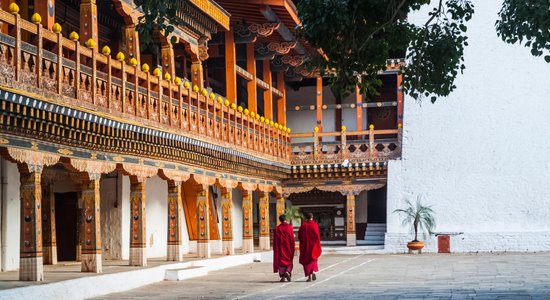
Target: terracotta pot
415, 245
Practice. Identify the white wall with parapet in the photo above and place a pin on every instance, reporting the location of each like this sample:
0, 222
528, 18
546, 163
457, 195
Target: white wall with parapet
480, 156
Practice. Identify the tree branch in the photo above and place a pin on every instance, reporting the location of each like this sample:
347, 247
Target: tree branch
391, 20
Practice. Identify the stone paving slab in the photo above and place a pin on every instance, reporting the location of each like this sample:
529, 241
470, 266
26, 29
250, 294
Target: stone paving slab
426, 276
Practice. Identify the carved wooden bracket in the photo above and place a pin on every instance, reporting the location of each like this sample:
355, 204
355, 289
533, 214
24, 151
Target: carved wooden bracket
344, 189
281, 48
34, 160
248, 33
140, 171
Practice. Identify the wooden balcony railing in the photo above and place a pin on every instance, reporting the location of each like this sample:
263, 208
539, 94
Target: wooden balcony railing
42, 62
357, 147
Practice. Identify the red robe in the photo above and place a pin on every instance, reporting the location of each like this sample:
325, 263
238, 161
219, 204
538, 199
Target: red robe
283, 246
310, 246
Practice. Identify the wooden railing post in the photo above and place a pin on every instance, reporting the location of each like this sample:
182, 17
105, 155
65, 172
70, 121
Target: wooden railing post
123, 86
371, 141
94, 75
109, 82
59, 63
77, 69
17, 48
39, 55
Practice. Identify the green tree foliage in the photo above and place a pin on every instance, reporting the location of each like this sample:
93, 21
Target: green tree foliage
526, 21
357, 36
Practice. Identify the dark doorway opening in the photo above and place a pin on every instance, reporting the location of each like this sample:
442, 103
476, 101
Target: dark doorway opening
376, 212
66, 210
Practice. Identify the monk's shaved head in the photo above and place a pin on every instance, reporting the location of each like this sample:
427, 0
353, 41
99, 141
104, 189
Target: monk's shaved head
282, 218
309, 216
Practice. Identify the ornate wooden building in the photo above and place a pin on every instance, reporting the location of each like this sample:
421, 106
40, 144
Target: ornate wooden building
92, 125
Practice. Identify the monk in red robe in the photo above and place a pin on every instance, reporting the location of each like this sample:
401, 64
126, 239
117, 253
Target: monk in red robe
310, 246
283, 249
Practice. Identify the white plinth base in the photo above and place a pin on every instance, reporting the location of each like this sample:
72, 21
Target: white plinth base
174, 253
203, 250
91, 263
138, 257
228, 248
248, 246
265, 243
351, 239
31, 269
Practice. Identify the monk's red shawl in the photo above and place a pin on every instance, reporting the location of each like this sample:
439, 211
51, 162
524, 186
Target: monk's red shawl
310, 242
283, 246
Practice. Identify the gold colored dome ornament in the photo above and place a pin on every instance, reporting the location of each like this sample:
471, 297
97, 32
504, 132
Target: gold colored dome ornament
133, 62
120, 56
14, 8
56, 28
73, 36
90, 43
107, 51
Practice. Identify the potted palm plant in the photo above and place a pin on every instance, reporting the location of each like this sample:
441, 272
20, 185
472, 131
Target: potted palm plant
421, 217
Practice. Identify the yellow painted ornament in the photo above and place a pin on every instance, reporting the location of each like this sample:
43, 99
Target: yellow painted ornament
246, 112
252, 114
177, 80
73, 36
120, 56
107, 51
156, 72
212, 96
271, 123
204, 92
167, 76
284, 128
371, 126
266, 121
257, 116
186, 85
288, 130
14, 8
133, 62
399, 125
226, 102
276, 125
36, 18
262, 119
220, 99
233, 106
344, 128
90, 43
56, 27
195, 88
316, 129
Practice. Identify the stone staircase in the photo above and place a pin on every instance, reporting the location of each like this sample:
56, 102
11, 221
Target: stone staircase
375, 233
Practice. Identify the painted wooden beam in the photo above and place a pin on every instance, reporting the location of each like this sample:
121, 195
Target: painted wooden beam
46, 9
88, 21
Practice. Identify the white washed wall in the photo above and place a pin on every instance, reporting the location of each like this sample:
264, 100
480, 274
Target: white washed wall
10, 216
156, 216
237, 218
481, 156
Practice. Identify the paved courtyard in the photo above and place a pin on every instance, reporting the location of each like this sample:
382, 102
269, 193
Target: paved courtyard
426, 276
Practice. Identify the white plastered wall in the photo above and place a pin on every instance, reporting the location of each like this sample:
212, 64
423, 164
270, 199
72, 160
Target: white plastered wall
481, 156
237, 218
156, 216
10, 216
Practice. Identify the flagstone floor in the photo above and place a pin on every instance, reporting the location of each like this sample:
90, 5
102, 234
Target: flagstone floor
426, 276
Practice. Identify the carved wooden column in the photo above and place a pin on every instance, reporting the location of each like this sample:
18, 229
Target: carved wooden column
230, 70
91, 226
227, 220
175, 222
319, 102
138, 238
46, 9
281, 102
131, 42
268, 95
251, 86
30, 257
248, 238
264, 221
359, 108
350, 220
203, 242
48, 225
167, 53
280, 206
88, 21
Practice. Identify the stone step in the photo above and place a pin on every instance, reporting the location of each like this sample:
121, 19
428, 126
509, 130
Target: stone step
185, 273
